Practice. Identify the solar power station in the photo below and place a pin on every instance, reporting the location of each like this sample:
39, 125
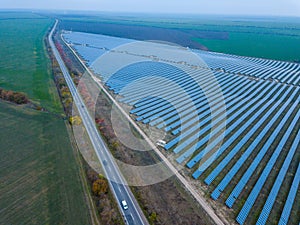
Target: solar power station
254, 157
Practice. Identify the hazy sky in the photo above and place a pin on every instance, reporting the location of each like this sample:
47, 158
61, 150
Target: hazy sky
242, 7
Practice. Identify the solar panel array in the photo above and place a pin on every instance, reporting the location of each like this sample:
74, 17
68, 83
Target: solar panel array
262, 116
283, 72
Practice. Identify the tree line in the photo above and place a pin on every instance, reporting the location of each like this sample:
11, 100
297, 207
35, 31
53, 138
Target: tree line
13, 96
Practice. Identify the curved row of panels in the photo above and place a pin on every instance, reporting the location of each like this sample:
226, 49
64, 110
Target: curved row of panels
234, 121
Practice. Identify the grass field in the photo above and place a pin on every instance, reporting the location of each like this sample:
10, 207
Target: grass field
24, 64
268, 46
39, 176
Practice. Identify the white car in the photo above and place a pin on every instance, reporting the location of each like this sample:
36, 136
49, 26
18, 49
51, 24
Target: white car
124, 204
161, 143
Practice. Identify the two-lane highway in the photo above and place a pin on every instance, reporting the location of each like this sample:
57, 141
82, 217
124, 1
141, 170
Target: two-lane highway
116, 181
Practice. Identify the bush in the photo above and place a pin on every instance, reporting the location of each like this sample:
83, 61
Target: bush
12, 96
100, 186
153, 218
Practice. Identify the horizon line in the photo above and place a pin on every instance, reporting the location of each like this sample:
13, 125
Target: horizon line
147, 12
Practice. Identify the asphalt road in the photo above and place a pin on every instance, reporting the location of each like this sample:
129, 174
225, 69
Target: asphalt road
133, 215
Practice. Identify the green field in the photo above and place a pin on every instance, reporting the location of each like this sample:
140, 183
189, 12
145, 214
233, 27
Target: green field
39, 176
268, 46
24, 64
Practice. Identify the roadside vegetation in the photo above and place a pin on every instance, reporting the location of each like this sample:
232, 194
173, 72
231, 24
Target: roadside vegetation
102, 196
104, 202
